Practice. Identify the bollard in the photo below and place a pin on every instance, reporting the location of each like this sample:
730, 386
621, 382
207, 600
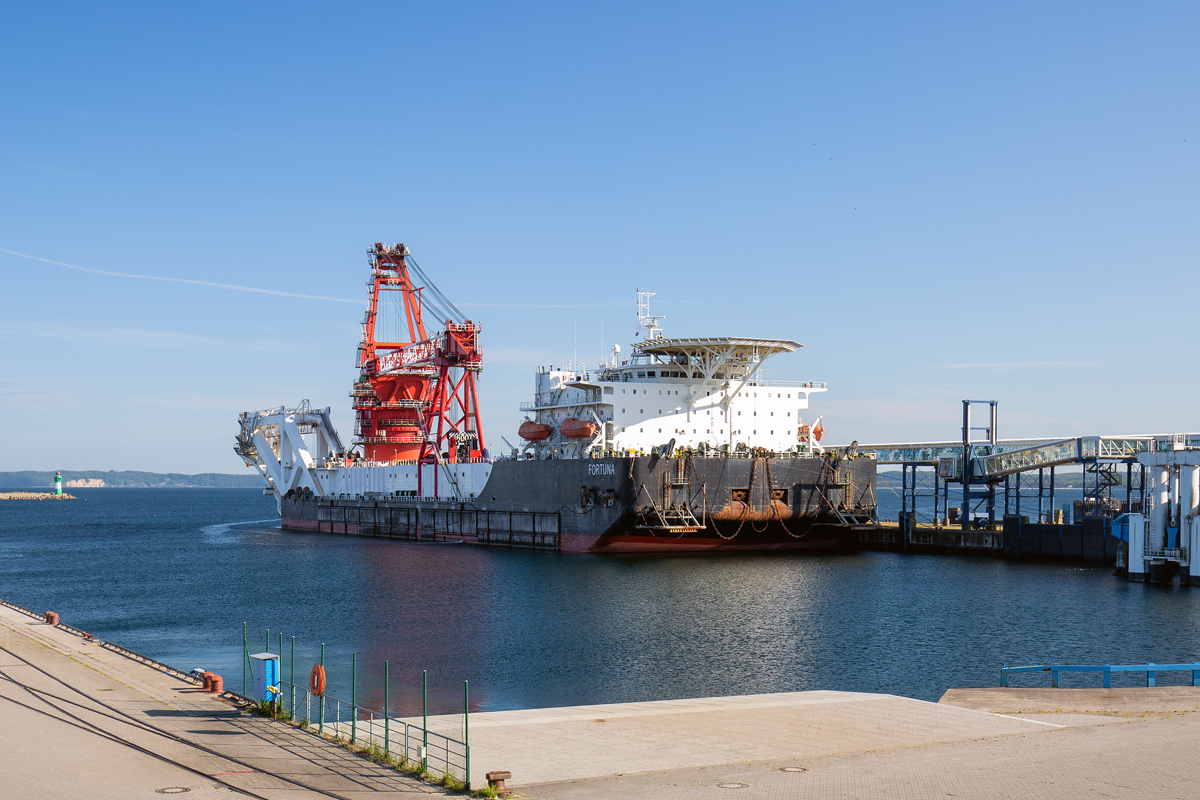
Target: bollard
218, 684
51, 618
208, 678
496, 779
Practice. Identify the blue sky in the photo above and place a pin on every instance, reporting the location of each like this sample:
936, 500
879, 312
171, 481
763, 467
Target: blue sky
940, 200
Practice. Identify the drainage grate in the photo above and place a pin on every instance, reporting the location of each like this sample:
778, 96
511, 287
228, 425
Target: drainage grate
733, 786
793, 769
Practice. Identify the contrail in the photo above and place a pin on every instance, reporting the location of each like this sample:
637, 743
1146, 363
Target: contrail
182, 280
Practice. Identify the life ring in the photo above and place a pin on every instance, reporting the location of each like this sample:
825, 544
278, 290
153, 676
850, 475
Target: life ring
316, 681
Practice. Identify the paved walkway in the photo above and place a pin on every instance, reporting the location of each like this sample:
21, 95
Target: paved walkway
539, 745
82, 721
1124, 743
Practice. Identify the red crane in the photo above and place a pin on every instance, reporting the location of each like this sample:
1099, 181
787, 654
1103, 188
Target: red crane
415, 398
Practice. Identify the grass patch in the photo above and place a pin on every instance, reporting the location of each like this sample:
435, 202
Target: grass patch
452, 783
487, 791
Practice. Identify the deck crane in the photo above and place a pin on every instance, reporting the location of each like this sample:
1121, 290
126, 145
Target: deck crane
415, 399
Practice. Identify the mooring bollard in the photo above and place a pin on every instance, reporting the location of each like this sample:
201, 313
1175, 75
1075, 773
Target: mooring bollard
207, 676
496, 779
51, 618
218, 684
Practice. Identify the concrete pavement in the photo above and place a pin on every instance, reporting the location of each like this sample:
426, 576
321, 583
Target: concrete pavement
82, 721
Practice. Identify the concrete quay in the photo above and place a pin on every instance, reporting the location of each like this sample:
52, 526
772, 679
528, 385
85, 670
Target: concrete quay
83, 721
973, 743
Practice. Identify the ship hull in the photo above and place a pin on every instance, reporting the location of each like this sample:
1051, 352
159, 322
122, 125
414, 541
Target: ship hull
627, 506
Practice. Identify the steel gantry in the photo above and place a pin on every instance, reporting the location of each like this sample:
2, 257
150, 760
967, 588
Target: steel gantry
983, 463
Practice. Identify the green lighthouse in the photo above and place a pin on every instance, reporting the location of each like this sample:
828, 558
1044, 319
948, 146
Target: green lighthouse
57, 484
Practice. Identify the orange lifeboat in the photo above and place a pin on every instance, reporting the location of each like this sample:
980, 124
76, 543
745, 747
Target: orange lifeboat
803, 432
818, 432
577, 429
534, 431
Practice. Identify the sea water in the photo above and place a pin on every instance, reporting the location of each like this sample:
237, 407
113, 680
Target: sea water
174, 574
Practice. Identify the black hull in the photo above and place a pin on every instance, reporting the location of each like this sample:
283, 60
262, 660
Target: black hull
628, 505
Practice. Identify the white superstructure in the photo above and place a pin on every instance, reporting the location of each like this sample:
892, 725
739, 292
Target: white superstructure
702, 393
297, 450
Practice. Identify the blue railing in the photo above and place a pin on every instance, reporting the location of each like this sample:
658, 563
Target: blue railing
1105, 669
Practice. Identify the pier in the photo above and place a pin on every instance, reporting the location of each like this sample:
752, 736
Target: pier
1008, 491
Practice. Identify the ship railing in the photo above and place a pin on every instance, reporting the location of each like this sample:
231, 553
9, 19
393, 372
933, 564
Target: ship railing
1106, 670
711, 453
407, 741
1171, 553
790, 384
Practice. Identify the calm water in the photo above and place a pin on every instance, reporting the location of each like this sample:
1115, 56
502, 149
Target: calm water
175, 573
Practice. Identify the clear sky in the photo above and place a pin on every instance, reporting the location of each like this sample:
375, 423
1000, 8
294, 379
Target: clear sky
940, 200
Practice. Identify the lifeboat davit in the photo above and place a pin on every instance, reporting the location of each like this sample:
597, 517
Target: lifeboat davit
534, 431
577, 429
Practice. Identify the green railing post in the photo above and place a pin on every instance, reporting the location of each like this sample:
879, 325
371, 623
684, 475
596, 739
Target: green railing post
386, 710
467, 729
293, 679
321, 718
245, 657
425, 719
353, 697
279, 677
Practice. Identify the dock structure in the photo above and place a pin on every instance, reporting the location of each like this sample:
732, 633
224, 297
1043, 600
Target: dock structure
985, 465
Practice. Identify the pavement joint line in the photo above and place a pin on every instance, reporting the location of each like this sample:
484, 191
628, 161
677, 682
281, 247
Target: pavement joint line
1035, 721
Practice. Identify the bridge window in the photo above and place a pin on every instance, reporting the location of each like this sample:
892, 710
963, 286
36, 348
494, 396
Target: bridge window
608, 390
650, 374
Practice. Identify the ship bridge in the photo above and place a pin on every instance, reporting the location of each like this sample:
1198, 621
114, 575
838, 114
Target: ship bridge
731, 362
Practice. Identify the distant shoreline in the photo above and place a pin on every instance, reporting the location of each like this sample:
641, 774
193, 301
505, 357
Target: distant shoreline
114, 479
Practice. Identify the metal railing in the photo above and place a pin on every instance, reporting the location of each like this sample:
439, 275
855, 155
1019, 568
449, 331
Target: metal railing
1151, 669
330, 713
1175, 553
407, 742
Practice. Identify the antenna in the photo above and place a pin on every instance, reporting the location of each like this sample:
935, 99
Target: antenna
644, 319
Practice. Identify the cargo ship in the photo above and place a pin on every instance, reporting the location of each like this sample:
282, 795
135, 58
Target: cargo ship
681, 446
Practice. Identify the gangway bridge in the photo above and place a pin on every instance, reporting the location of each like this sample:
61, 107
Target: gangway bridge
983, 463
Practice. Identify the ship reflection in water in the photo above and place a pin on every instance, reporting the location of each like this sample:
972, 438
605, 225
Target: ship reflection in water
162, 571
